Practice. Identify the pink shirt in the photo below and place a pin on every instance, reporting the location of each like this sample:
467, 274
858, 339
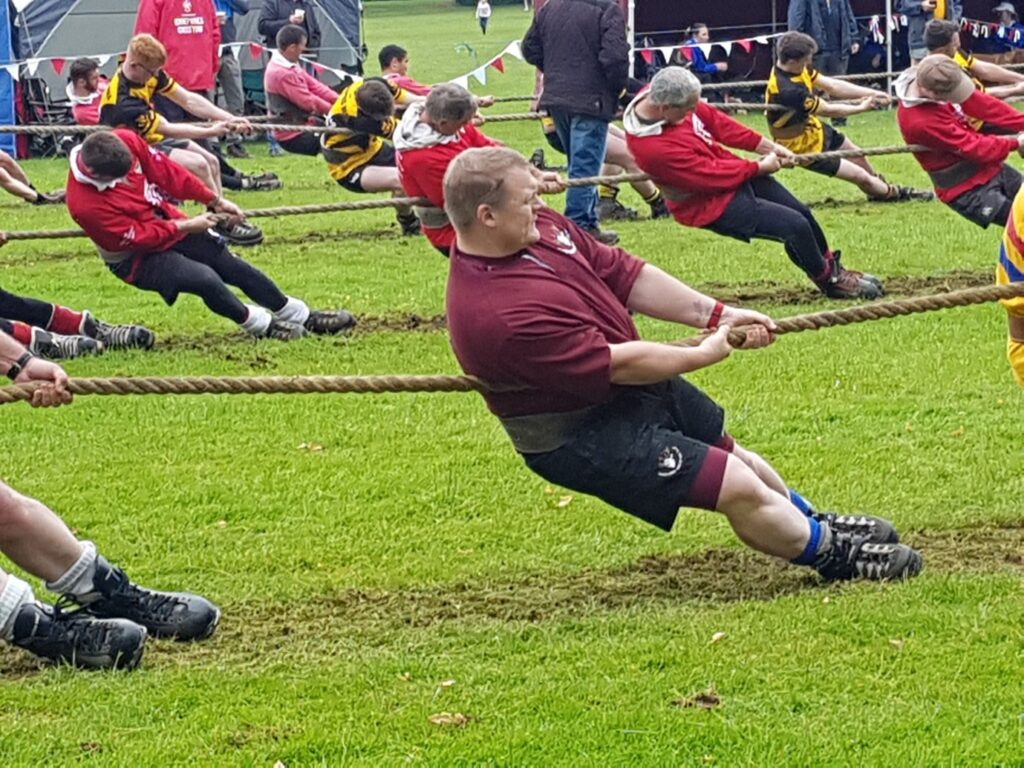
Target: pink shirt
406, 83
542, 318
86, 109
290, 81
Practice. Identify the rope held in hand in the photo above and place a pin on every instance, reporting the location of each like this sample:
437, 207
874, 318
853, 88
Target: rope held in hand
223, 385
396, 202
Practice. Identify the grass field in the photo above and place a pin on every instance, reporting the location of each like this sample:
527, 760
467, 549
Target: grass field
408, 565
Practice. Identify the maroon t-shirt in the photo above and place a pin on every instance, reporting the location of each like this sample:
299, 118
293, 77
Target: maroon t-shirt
542, 318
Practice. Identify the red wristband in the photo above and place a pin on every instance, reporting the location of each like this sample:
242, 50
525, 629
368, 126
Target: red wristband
716, 316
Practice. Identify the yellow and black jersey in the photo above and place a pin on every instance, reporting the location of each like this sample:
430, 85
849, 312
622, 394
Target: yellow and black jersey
129, 104
966, 62
797, 128
363, 136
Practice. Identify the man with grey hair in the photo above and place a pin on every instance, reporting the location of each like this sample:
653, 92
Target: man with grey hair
678, 140
542, 313
430, 136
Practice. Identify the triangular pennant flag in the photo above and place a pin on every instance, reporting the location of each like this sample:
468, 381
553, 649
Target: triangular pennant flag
687, 52
705, 48
666, 52
762, 40
102, 59
746, 45
499, 64
647, 56
515, 49
236, 49
480, 74
255, 50
727, 46
12, 70
33, 66
58, 65
462, 81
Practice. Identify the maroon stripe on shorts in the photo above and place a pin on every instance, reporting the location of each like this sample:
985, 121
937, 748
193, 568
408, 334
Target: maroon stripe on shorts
726, 443
708, 484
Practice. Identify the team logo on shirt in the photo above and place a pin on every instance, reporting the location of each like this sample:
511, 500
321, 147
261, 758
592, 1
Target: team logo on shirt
565, 243
701, 130
186, 7
670, 461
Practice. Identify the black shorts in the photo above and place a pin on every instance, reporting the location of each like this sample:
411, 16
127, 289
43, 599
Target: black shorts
354, 181
833, 141
649, 451
991, 202
303, 144
167, 145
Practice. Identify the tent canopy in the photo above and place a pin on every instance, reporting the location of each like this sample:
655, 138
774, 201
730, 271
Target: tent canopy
71, 28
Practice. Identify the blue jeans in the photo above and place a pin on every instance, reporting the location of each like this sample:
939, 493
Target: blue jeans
584, 139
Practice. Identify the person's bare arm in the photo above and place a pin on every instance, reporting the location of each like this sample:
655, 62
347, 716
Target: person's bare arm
843, 89
988, 72
638, 363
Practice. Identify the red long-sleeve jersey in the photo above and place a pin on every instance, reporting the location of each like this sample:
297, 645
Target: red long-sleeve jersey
190, 32
423, 156
958, 157
133, 215
689, 158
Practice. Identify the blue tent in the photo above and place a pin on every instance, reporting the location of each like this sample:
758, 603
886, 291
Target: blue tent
6, 81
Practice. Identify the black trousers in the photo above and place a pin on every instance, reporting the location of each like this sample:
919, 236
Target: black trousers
202, 265
763, 209
24, 309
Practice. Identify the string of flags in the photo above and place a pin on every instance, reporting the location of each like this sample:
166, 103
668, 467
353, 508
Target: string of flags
256, 50
989, 29
496, 62
746, 43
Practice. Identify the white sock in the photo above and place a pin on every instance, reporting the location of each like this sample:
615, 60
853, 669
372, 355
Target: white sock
14, 595
295, 311
257, 322
78, 579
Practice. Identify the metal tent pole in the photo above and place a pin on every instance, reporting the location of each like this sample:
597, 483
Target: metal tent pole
888, 45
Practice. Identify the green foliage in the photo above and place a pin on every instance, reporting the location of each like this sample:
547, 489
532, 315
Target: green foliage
369, 550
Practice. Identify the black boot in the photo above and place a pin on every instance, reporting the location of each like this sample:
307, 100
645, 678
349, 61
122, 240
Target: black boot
77, 638
180, 615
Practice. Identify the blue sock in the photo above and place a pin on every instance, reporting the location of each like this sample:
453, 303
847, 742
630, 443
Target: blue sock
810, 553
801, 503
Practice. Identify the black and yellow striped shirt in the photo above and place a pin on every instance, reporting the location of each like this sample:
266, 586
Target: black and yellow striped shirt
363, 136
797, 128
129, 104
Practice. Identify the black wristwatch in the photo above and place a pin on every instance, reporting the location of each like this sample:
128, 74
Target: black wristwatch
19, 365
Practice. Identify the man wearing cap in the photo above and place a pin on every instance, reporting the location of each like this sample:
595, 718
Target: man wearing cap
967, 167
943, 37
1011, 32
678, 139
919, 13
543, 314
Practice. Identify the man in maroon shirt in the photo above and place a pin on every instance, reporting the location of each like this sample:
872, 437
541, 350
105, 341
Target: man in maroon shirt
677, 139
541, 312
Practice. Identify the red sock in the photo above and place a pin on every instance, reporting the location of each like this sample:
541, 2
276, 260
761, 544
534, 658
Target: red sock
829, 259
65, 321
22, 332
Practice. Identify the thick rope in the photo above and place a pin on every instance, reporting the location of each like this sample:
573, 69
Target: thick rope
222, 385
393, 202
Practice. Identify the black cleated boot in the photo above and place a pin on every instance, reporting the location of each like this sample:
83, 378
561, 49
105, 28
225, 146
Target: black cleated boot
854, 557
78, 638
876, 530
180, 615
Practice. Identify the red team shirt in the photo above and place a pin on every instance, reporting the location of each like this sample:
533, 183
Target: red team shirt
134, 215
191, 34
543, 318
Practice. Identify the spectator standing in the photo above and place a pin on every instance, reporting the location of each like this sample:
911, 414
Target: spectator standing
278, 13
483, 14
919, 13
580, 47
834, 28
190, 33
229, 75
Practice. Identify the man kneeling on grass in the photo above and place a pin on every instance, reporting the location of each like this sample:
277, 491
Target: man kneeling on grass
113, 615
119, 192
541, 312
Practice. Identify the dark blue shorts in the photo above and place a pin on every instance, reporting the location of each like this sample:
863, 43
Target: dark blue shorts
649, 451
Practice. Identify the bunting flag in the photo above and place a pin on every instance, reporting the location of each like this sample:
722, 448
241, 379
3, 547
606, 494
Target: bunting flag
255, 50
648, 56
687, 53
33, 66
747, 44
667, 52
497, 62
58, 65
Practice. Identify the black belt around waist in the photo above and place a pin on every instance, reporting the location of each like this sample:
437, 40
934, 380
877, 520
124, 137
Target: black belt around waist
958, 173
543, 432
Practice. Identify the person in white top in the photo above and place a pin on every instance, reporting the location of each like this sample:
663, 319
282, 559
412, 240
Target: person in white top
483, 14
